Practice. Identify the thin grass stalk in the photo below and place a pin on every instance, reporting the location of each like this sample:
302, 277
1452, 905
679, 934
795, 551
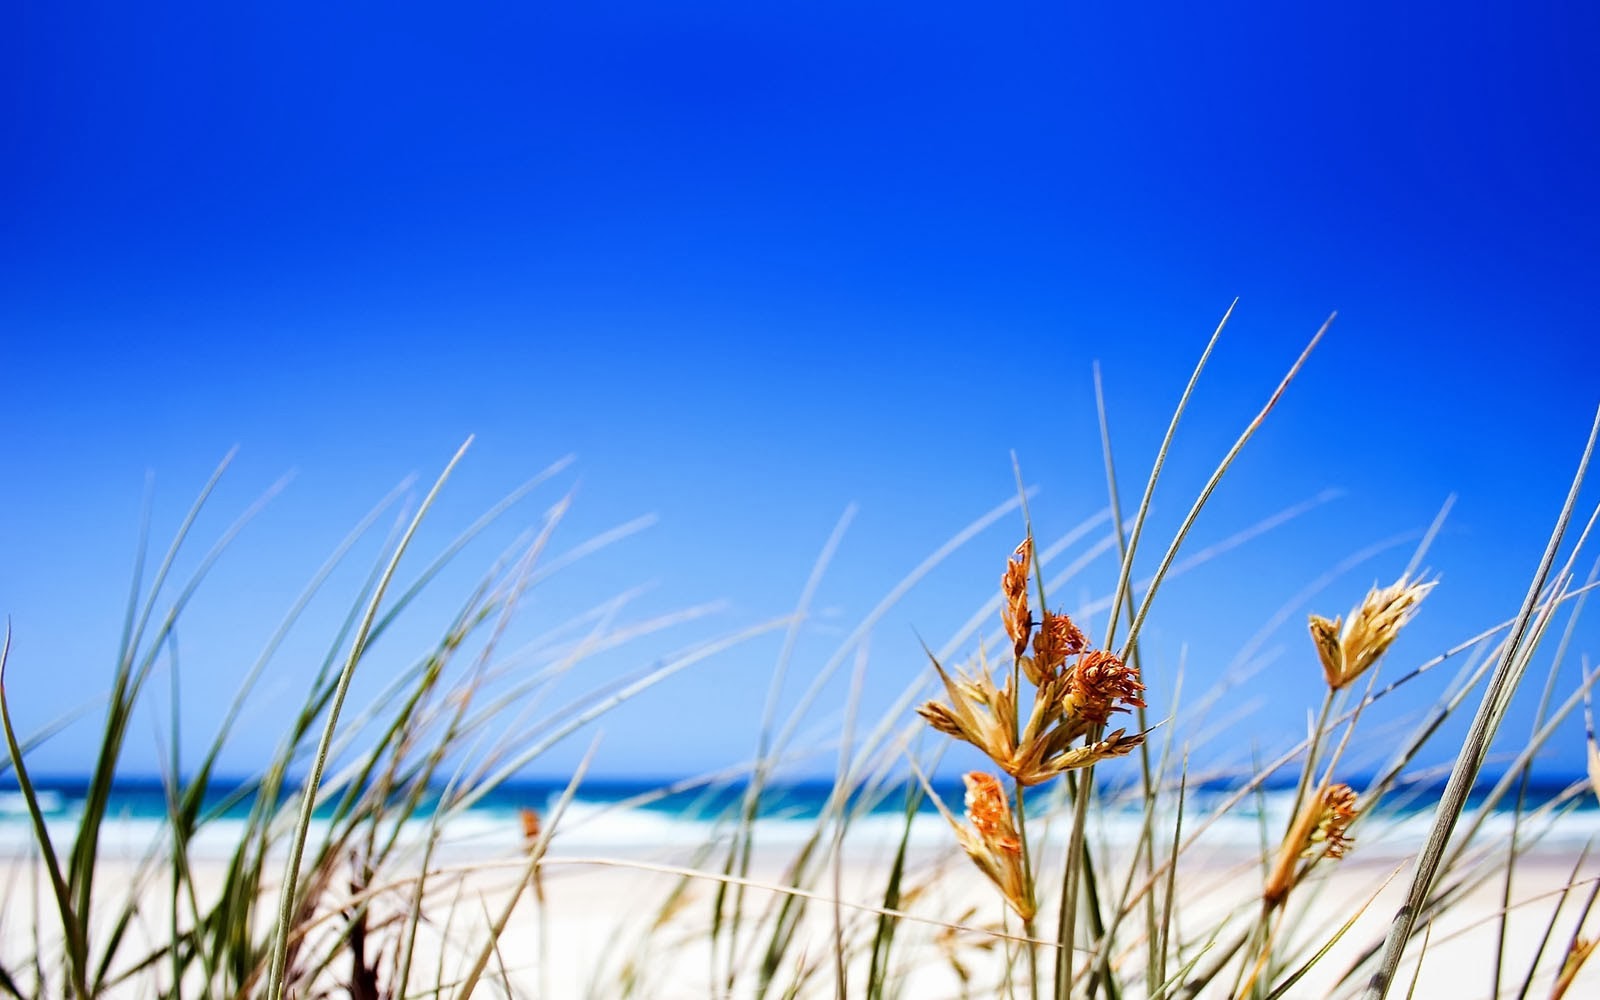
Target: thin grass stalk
72, 928
742, 846
1068, 907
536, 852
1527, 775
1563, 977
883, 938
126, 687
1470, 760
1145, 848
1125, 571
275, 983
841, 787
1550, 925
1216, 478
1016, 722
1171, 893
1282, 989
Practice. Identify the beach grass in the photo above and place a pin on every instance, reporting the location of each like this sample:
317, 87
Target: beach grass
342, 879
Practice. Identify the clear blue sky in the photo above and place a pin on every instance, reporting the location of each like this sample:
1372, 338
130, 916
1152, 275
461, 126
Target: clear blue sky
755, 262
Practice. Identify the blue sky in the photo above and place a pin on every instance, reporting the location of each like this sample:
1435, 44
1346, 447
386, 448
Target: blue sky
755, 263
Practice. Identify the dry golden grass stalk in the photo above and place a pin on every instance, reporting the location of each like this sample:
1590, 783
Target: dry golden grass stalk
1321, 829
1577, 954
993, 843
1349, 652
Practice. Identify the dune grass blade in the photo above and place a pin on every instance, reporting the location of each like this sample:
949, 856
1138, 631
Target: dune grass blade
536, 852
72, 928
1550, 925
1526, 770
1288, 983
1143, 850
742, 844
1422, 953
1566, 975
286, 908
1125, 572
1068, 912
1470, 759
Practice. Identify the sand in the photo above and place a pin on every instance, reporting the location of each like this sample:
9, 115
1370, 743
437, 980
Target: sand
598, 925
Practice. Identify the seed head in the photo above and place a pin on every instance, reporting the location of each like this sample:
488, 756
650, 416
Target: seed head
1014, 589
530, 824
986, 716
1336, 810
1320, 829
1058, 638
1346, 653
1101, 684
993, 843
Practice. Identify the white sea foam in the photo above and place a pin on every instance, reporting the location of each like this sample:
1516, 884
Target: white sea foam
600, 827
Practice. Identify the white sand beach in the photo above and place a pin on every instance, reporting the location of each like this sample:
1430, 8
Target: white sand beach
600, 922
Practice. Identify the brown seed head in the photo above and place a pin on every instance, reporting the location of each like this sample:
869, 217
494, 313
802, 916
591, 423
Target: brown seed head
1337, 808
1058, 638
990, 813
1098, 682
993, 843
530, 824
1321, 824
1014, 589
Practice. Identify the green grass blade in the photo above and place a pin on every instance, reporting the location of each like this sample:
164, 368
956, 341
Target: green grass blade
1475, 746
291, 876
72, 927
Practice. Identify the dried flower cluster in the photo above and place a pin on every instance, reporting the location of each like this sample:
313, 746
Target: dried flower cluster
993, 842
1321, 828
1076, 690
1346, 653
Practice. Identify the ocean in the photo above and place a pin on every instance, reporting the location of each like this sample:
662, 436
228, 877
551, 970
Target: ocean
633, 815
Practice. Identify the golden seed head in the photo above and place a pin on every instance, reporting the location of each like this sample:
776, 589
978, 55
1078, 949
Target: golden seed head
1014, 589
977, 712
1098, 683
1348, 653
1325, 634
1058, 638
1337, 808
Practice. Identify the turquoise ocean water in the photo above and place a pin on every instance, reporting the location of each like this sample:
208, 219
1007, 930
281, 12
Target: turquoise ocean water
630, 815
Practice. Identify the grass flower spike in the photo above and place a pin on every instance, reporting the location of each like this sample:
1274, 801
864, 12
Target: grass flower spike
1057, 639
993, 843
1321, 828
1014, 587
1065, 709
1099, 685
1347, 653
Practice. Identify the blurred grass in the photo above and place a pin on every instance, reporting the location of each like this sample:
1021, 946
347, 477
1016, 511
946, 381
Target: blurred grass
337, 882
